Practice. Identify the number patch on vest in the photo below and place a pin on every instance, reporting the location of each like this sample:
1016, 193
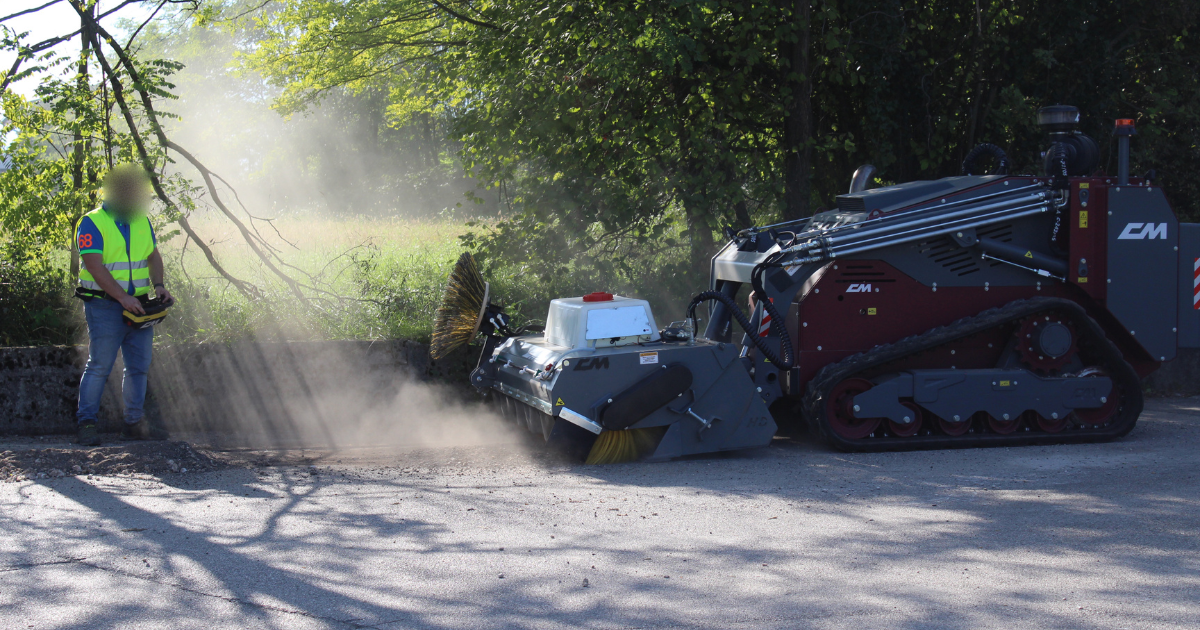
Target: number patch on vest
85, 240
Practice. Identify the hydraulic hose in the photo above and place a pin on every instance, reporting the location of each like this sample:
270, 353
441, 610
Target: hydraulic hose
744, 322
1059, 182
968, 165
1060, 174
777, 323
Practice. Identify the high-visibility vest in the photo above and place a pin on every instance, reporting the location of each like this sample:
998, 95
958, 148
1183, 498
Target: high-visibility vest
128, 262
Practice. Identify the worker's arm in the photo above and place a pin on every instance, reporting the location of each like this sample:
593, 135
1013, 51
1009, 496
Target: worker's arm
156, 276
95, 266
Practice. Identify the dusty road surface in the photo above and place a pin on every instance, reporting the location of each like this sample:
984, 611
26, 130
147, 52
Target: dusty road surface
795, 536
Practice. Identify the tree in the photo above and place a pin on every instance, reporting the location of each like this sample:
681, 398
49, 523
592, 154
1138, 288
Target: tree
603, 122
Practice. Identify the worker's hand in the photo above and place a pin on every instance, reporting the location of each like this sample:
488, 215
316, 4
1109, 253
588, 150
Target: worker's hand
163, 294
132, 305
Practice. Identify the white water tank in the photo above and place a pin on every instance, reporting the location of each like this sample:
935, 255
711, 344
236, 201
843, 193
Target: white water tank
599, 320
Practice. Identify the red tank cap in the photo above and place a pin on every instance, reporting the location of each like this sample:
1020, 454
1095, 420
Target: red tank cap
598, 296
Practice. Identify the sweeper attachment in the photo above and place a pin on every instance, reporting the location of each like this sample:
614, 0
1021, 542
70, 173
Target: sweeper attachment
984, 309
603, 368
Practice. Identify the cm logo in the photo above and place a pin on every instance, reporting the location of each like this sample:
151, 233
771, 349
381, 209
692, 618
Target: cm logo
1141, 231
859, 288
594, 363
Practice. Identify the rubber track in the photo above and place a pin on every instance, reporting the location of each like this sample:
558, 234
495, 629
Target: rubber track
1092, 341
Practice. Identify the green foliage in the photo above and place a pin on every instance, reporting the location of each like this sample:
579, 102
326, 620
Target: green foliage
603, 124
336, 150
916, 85
59, 145
38, 198
612, 123
35, 303
617, 136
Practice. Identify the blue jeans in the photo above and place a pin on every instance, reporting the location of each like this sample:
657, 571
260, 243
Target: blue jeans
107, 333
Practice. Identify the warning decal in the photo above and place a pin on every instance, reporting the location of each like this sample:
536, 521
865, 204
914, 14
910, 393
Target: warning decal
1196, 284
764, 327
648, 357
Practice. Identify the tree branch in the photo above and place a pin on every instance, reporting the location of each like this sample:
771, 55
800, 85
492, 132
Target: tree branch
135, 33
12, 72
464, 18
148, 105
166, 143
246, 235
246, 289
28, 11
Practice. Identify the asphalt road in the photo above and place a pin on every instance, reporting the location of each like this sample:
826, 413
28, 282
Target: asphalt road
794, 536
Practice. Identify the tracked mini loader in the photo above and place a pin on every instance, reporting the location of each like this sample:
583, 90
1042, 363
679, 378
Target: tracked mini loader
984, 309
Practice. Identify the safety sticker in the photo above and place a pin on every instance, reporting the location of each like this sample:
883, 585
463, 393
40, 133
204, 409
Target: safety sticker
1196, 284
560, 402
1083, 218
648, 357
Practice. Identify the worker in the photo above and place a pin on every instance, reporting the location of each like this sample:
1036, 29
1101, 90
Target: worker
121, 268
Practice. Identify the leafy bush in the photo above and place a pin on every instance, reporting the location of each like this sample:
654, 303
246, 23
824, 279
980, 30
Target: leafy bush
36, 307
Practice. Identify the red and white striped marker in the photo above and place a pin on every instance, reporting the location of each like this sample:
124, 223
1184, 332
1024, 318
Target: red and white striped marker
764, 328
1196, 284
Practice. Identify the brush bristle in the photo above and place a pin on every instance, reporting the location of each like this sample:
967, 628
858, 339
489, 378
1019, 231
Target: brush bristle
618, 447
458, 316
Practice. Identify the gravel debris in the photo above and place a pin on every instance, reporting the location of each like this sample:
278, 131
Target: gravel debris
26, 458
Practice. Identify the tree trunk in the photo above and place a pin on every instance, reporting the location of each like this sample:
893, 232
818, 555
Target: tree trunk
80, 144
742, 211
700, 236
697, 207
797, 120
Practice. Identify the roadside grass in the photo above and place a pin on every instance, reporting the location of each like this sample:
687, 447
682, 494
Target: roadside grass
366, 278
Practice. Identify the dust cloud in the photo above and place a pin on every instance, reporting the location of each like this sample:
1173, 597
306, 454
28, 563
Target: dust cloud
339, 153
327, 395
337, 158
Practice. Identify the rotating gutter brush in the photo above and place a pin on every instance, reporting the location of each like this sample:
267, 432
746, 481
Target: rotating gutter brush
465, 309
619, 447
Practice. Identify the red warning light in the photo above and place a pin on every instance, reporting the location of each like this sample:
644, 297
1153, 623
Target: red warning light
1124, 122
598, 296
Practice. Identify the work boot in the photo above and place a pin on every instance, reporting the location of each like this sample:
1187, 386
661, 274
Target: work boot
143, 430
88, 435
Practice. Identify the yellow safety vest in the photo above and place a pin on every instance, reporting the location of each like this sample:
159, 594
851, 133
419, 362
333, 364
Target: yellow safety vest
127, 262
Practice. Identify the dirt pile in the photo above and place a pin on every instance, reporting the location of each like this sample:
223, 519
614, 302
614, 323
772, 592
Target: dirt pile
35, 459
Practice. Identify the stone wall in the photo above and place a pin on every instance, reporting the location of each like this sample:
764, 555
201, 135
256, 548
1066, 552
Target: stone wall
217, 387
283, 388
39, 388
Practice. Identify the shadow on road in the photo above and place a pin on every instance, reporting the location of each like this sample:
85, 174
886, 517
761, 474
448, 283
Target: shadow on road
803, 537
